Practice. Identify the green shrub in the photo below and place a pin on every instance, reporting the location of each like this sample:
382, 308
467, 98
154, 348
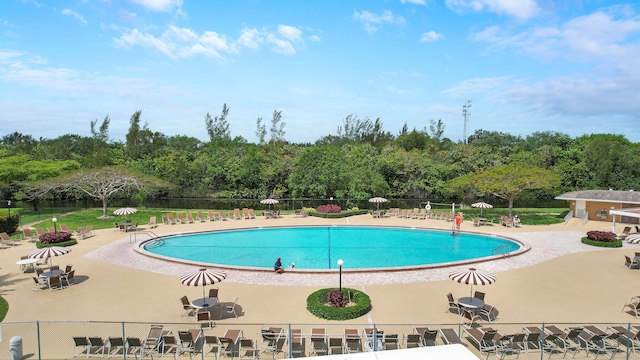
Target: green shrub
9, 224
71, 242
317, 305
4, 308
607, 244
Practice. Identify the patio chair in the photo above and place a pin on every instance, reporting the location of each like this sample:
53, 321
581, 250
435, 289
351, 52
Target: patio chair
270, 341
469, 315
252, 214
597, 343
231, 309
565, 341
478, 295
88, 232
51, 230
55, 283
248, 349
39, 283
630, 337
152, 222
68, 277
28, 235
133, 346
489, 312
180, 218
171, 219
210, 215
301, 213
631, 263
203, 318
633, 308
336, 346
200, 217
213, 343
236, 214
9, 241
186, 306
511, 345
625, 233
453, 305
245, 213
151, 344
186, 344
39, 231
352, 341
169, 345
532, 339
63, 227
227, 347
213, 293
296, 343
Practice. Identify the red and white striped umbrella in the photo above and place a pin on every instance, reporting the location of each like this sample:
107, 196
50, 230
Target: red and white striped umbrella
378, 201
481, 205
49, 252
473, 277
203, 277
125, 211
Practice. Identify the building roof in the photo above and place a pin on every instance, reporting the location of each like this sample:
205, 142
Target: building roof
628, 197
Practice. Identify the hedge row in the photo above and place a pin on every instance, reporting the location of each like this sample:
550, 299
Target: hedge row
8, 224
342, 214
607, 244
316, 304
71, 242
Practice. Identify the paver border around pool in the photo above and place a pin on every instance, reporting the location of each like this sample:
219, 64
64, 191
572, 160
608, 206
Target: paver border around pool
139, 248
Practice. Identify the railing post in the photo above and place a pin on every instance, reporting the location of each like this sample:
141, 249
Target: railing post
124, 343
541, 345
38, 333
289, 337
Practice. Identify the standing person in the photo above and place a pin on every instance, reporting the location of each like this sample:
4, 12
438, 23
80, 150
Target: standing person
277, 267
456, 223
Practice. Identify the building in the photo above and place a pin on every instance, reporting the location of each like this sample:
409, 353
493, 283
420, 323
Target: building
604, 205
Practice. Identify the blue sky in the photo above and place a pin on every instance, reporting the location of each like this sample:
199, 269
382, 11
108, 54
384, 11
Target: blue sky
527, 65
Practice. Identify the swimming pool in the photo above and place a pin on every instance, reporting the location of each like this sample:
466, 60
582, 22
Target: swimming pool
319, 247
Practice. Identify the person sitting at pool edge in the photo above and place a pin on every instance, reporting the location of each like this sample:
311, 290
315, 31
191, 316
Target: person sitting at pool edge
277, 267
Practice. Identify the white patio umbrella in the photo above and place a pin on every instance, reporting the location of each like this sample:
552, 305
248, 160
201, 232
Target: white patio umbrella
49, 252
269, 202
481, 206
203, 277
378, 201
473, 277
125, 211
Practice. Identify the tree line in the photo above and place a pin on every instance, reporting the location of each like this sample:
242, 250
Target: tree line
359, 161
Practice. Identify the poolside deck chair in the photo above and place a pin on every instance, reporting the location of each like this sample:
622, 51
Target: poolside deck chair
532, 339
9, 241
270, 341
430, 338
187, 344
511, 345
449, 336
504, 221
245, 213
231, 309
39, 231
248, 349
632, 308
352, 341
223, 216
97, 346
412, 341
252, 214
152, 222
631, 263
151, 344
88, 232
181, 218
203, 317
116, 347
210, 215
236, 214
319, 343
213, 342
172, 221
29, 236
565, 341
133, 346
422, 215
625, 233
63, 227
489, 312
390, 341
296, 343
630, 337
190, 218
81, 344
302, 213
475, 221
169, 345
597, 343
485, 341
336, 346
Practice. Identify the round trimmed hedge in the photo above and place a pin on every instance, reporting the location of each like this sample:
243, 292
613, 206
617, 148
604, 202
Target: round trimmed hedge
607, 244
316, 304
71, 242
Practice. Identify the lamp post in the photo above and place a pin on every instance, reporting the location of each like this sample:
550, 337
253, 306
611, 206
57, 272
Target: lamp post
340, 263
9, 208
331, 202
54, 224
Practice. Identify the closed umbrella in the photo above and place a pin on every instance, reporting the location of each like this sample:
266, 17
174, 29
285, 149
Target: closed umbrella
473, 277
203, 277
378, 201
481, 206
49, 252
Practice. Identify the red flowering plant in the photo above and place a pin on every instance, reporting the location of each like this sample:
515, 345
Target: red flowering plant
604, 236
54, 238
329, 209
337, 299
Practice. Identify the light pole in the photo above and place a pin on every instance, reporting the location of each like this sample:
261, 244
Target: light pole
331, 201
54, 225
340, 263
9, 208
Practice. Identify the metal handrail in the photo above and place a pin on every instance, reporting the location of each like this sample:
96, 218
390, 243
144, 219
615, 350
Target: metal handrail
568, 217
147, 232
497, 250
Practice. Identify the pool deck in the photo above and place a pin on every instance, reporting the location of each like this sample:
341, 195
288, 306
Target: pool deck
559, 280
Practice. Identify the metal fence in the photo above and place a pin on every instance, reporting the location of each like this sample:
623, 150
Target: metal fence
70, 339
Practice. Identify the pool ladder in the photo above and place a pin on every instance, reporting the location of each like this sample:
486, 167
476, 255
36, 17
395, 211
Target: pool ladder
133, 236
504, 249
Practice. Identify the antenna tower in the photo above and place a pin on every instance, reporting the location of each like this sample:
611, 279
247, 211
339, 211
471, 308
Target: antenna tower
465, 113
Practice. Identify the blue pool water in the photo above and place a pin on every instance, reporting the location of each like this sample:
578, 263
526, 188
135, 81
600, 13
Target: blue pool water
321, 247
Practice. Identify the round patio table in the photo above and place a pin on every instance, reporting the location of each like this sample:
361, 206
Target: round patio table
26, 264
471, 302
205, 302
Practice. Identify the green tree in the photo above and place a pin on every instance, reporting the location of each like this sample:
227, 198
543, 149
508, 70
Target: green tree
320, 172
277, 127
506, 181
261, 131
218, 127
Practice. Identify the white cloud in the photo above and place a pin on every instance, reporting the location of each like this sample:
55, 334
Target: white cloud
160, 5
522, 9
281, 46
291, 33
250, 38
418, 2
430, 36
73, 14
314, 38
372, 22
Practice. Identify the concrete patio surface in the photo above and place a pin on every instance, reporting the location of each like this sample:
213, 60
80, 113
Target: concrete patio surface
558, 280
